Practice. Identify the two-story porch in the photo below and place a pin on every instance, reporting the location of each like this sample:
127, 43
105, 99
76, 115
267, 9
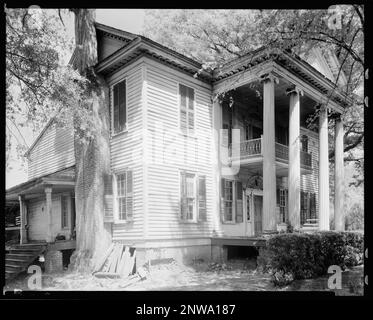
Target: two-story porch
274, 165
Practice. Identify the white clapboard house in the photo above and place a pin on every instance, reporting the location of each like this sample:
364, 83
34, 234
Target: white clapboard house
195, 170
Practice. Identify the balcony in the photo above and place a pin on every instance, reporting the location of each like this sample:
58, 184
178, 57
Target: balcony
253, 148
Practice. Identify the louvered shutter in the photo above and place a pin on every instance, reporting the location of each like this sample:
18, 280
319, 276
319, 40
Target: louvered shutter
190, 109
202, 198
116, 108
183, 108
183, 198
239, 202
129, 195
222, 200
122, 105
108, 198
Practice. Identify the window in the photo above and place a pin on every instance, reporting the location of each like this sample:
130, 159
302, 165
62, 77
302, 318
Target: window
119, 107
231, 201
283, 204
304, 143
192, 197
227, 191
308, 207
186, 109
64, 211
124, 195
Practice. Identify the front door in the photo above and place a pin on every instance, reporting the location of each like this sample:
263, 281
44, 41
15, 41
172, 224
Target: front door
258, 207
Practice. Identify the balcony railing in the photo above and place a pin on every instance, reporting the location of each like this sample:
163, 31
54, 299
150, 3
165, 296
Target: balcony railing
249, 148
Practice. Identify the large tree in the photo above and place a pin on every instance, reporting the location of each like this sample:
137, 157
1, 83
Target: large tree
76, 96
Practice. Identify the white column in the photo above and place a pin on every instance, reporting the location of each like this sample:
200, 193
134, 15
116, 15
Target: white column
323, 170
268, 149
23, 218
339, 176
294, 157
48, 212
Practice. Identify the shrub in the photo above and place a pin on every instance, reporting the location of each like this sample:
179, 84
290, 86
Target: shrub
292, 256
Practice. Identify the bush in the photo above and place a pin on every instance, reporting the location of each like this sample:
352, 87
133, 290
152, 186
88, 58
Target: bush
292, 256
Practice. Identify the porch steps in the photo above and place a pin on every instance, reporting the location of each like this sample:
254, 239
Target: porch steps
20, 256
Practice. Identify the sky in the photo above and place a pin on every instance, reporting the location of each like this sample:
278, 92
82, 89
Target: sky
131, 20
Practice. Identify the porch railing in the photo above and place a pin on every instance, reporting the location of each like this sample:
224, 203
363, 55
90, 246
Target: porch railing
253, 147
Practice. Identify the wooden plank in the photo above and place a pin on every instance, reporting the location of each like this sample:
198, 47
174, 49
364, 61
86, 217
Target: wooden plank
116, 254
128, 265
110, 259
122, 261
118, 258
101, 263
126, 257
107, 275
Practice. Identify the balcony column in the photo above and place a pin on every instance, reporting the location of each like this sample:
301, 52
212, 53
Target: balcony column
23, 218
48, 212
268, 150
339, 218
294, 157
323, 169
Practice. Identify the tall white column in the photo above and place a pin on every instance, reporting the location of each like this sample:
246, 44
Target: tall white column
323, 170
48, 212
294, 157
23, 218
339, 218
268, 149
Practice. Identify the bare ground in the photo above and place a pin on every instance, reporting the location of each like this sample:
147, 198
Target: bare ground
238, 275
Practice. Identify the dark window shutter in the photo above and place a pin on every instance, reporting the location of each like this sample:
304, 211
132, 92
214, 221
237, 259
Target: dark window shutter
239, 202
116, 108
122, 105
183, 199
108, 198
222, 198
202, 198
278, 196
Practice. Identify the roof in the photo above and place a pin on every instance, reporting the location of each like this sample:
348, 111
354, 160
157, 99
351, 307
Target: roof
64, 177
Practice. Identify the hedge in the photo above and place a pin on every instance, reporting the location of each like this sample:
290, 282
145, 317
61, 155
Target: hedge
293, 256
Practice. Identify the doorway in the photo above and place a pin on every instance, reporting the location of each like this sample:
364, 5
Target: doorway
254, 212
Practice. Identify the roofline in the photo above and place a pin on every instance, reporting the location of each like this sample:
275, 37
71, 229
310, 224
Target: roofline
26, 154
114, 31
43, 179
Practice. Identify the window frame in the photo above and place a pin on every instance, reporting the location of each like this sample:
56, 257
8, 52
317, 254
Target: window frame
196, 216
188, 132
233, 201
125, 129
116, 213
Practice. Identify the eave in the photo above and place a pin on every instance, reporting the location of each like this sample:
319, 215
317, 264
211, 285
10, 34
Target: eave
141, 46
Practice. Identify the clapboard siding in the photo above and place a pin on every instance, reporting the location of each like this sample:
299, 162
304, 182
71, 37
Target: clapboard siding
170, 151
126, 153
53, 151
37, 222
37, 218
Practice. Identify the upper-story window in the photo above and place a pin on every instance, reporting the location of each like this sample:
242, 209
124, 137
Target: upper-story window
119, 115
304, 143
186, 109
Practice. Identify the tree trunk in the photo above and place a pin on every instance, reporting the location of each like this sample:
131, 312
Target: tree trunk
93, 158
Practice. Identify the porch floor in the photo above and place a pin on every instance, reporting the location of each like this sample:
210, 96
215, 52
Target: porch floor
239, 241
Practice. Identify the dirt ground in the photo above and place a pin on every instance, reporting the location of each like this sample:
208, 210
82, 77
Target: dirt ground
236, 275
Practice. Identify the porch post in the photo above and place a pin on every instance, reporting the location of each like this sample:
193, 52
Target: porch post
268, 149
48, 212
323, 169
23, 216
294, 157
339, 176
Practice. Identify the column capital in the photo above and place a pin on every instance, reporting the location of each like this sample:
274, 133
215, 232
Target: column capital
48, 189
294, 90
269, 77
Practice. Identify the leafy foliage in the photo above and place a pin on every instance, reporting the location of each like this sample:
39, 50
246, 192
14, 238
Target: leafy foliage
302, 256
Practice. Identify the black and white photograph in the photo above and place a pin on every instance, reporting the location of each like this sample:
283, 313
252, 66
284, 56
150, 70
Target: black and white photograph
184, 150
